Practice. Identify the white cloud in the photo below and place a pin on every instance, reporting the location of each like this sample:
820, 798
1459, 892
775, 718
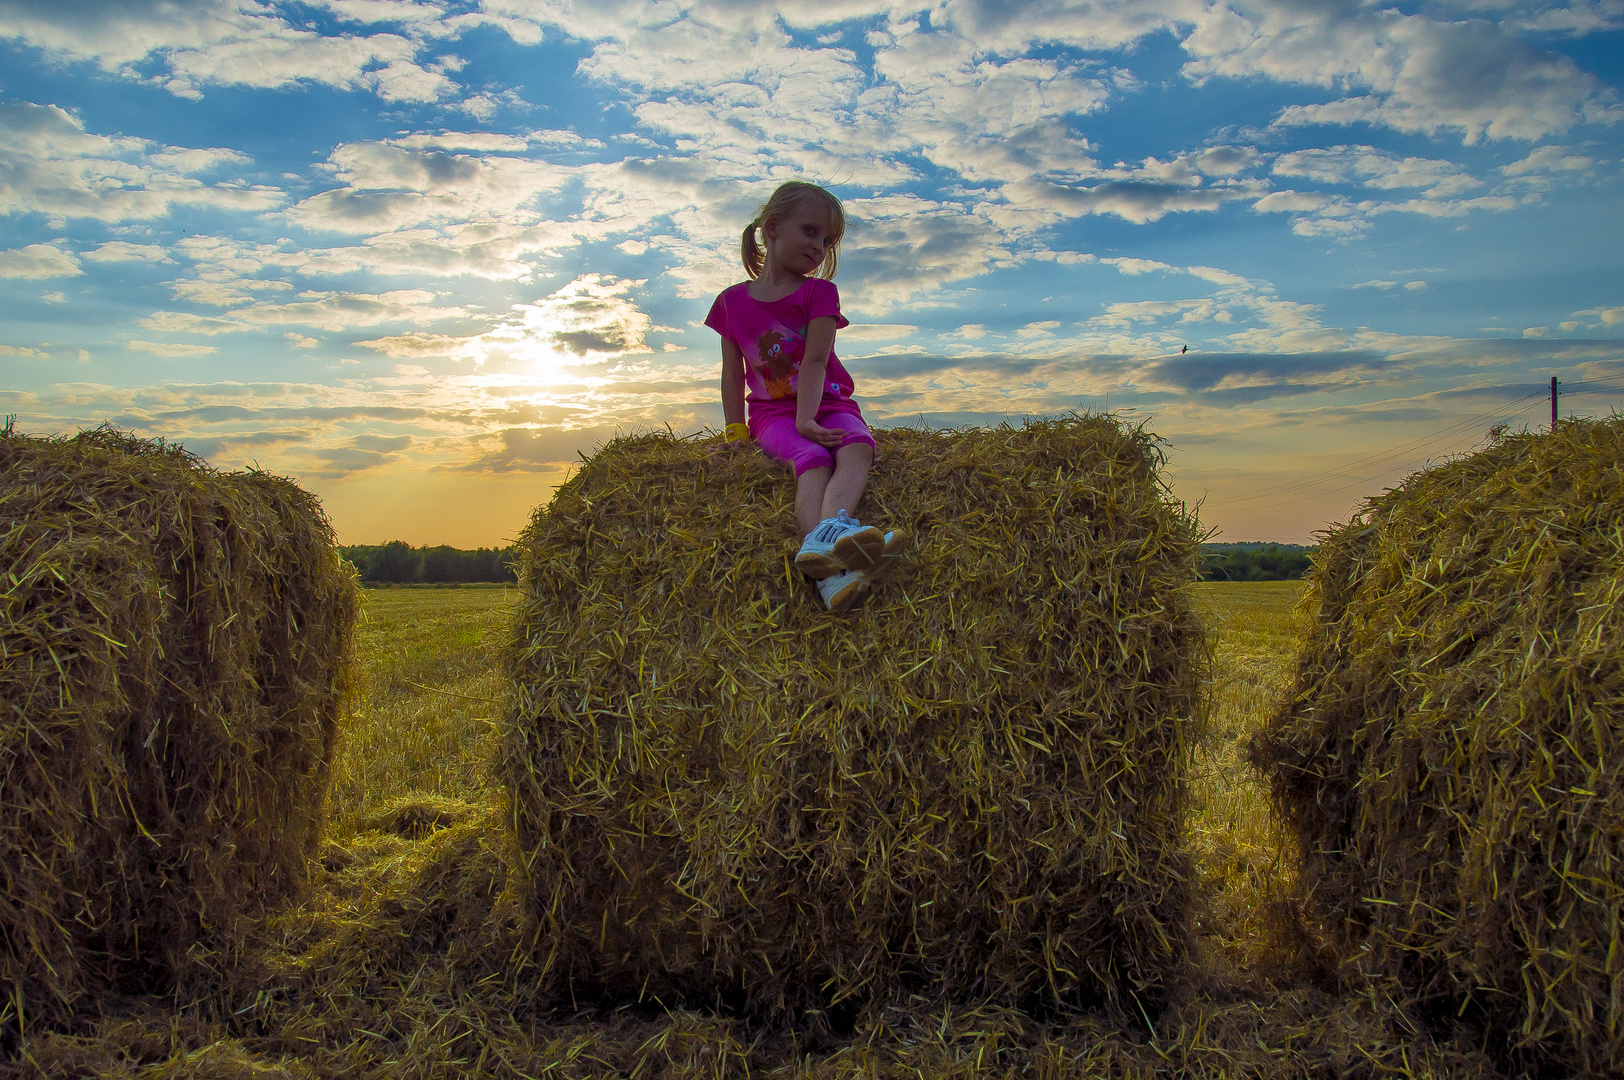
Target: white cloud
225, 43
170, 349
1336, 228
1298, 202
1375, 168
1216, 275
1610, 316
1447, 207
368, 12
1126, 313
403, 80
589, 319
1548, 160
183, 322
877, 331
53, 166
37, 262
489, 231
911, 246
1135, 266
1543, 16
323, 310
481, 141
1092, 25
387, 188
117, 251
986, 120
1422, 75
1337, 216
225, 293
1138, 201
485, 105
1235, 298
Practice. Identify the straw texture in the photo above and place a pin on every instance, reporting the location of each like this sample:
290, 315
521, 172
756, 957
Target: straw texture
1450, 753
399, 963
173, 651
971, 784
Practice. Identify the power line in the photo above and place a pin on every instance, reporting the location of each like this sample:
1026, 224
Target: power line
1362, 466
1595, 386
1363, 480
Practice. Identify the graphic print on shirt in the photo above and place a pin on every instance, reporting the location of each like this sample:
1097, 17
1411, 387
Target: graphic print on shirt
777, 363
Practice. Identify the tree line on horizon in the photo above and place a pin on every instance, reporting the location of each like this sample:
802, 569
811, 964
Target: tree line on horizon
398, 563
1255, 562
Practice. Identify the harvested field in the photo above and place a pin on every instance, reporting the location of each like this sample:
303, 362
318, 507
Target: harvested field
431, 692
400, 960
174, 645
403, 957
1249, 921
409, 953
973, 785
1449, 756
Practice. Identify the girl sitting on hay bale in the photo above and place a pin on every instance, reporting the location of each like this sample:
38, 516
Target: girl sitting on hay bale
778, 333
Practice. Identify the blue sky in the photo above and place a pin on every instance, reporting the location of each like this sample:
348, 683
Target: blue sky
419, 255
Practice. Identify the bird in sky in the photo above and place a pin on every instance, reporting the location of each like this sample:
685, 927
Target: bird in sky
1184, 350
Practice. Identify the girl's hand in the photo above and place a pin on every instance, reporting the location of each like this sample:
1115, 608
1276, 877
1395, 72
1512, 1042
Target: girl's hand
823, 436
724, 447
734, 437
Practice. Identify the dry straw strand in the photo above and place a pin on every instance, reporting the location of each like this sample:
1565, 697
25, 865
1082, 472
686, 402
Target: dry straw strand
1449, 754
173, 660
974, 782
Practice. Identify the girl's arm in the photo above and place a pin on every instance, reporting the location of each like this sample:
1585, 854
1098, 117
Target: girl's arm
820, 342
732, 382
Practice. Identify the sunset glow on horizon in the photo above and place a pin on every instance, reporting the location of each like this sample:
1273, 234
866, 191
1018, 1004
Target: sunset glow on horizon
420, 255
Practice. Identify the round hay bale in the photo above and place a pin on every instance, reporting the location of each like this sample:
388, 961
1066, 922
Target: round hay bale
174, 650
972, 783
1450, 753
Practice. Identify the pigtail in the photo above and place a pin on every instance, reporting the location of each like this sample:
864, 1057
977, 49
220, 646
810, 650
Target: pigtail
750, 251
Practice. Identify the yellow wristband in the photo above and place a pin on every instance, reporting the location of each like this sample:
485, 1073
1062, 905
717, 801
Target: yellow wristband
737, 432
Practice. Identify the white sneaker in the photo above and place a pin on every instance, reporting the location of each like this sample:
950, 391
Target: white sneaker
875, 555
896, 542
838, 544
840, 591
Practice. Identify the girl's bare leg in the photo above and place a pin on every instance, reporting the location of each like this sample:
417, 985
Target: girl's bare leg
809, 491
844, 489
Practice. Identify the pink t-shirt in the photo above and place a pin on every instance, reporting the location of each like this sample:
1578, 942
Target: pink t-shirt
772, 337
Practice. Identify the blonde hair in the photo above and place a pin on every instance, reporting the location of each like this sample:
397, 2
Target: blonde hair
789, 198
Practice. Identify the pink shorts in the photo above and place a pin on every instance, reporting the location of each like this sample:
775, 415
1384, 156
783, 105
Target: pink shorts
773, 428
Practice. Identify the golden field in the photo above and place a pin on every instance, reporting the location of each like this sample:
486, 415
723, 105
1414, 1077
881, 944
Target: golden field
406, 957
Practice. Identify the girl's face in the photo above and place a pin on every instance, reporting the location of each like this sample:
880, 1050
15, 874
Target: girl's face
799, 242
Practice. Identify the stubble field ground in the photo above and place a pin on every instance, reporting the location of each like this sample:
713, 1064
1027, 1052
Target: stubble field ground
407, 957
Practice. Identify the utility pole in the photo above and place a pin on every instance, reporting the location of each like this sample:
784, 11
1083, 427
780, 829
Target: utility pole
1553, 402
